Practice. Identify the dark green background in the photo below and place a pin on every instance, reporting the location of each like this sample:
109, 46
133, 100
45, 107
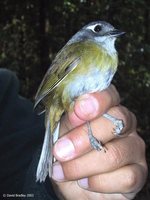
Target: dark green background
32, 32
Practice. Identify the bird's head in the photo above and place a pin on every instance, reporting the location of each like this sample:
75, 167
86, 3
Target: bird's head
100, 32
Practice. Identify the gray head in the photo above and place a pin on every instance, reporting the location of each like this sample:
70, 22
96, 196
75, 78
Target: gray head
100, 32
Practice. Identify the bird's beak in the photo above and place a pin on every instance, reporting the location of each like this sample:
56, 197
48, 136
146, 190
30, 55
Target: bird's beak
115, 33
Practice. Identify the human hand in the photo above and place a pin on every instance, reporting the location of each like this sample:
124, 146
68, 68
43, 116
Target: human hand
86, 174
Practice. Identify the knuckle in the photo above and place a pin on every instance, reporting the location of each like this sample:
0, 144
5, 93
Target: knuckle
98, 183
102, 183
143, 144
114, 94
134, 118
72, 170
115, 156
123, 112
133, 122
140, 144
130, 180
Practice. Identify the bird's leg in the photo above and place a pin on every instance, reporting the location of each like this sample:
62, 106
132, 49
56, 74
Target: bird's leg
95, 143
119, 125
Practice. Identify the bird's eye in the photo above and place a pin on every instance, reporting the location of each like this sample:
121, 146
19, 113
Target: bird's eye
98, 28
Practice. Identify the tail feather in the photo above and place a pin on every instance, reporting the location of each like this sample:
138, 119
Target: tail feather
46, 159
46, 156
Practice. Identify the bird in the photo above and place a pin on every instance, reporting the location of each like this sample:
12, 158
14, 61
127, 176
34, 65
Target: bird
86, 64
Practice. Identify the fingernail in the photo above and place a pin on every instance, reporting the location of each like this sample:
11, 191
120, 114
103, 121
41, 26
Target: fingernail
58, 173
64, 149
88, 105
83, 183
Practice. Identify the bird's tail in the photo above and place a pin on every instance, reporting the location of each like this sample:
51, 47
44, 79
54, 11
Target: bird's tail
46, 156
46, 159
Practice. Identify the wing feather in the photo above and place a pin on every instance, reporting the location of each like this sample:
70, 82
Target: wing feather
64, 63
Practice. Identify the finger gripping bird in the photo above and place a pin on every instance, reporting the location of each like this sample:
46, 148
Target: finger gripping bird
86, 64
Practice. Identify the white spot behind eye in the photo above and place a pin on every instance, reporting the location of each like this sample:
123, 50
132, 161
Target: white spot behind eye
92, 27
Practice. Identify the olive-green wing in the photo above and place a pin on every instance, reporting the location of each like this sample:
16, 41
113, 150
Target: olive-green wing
65, 62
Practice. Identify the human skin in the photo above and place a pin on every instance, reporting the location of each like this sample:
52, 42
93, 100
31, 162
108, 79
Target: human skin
83, 173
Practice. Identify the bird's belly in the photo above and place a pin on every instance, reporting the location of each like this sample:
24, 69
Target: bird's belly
95, 80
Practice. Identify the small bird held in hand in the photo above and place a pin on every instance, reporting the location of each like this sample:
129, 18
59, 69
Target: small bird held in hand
86, 64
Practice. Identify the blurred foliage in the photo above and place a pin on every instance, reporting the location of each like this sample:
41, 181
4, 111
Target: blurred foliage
32, 32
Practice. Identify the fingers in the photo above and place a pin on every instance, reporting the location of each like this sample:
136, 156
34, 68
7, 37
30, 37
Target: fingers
120, 153
121, 169
107, 98
90, 106
76, 143
127, 180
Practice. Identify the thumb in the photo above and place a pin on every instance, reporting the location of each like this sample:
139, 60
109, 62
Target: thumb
90, 106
